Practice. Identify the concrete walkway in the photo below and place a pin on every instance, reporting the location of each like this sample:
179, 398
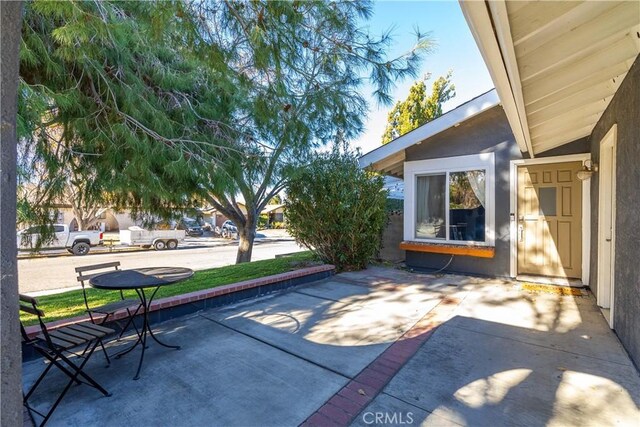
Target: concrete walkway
333, 353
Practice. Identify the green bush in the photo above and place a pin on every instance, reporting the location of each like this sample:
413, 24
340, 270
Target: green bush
263, 220
337, 209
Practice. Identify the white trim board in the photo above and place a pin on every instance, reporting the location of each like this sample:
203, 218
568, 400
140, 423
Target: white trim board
607, 304
513, 204
451, 164
481, 24
447, 120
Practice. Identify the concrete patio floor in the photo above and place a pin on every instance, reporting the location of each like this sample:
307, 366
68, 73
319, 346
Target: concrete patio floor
502, 356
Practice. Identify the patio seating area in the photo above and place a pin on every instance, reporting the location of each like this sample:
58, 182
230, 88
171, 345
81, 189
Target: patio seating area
500, 355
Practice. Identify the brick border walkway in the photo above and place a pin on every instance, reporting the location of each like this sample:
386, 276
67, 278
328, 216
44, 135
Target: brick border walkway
344, 406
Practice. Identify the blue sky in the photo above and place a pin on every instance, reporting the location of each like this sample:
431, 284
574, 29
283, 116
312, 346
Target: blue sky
455, 49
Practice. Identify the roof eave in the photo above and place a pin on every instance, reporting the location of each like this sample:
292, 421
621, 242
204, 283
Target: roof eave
389, 158
490, 26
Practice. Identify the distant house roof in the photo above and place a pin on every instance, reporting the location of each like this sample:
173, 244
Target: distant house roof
389, 158
210, 210
267, 209
270, 208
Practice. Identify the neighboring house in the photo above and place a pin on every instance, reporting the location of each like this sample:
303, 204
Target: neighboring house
539, 177
217, 218
112, 220
275, 213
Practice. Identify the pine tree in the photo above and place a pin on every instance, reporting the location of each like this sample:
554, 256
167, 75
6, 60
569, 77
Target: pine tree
108, 88
300, 67
418, 108
167, 102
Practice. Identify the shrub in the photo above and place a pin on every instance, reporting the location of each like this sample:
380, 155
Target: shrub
263, 220
337, 209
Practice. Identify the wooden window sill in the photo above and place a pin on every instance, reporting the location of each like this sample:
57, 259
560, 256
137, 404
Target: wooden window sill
443, 248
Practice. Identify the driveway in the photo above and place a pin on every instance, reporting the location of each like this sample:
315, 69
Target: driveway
378, 347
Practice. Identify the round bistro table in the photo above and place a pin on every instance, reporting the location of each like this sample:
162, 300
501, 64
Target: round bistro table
139, 280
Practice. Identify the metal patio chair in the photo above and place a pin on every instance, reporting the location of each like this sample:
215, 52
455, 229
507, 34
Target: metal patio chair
99, 315
56, 346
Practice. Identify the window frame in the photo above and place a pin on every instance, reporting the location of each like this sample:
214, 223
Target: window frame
447, 165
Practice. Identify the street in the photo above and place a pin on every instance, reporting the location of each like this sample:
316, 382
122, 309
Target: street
46, 274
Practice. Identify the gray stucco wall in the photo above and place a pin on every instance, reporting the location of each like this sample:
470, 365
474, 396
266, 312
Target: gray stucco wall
578, 146
486, 132
624, 110
391, 238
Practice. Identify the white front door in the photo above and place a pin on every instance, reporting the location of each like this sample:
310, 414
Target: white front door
607, 224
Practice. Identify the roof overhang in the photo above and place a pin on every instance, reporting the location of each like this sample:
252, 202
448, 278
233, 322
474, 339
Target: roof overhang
389, 158
556, 65
270, 208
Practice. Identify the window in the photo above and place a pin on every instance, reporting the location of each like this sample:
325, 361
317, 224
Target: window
452, 200
547, 201
430, 206
467, 220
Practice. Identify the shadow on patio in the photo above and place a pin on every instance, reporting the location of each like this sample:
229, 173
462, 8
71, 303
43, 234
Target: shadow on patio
503, 357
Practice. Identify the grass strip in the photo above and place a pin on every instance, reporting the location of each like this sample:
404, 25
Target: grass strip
70, 304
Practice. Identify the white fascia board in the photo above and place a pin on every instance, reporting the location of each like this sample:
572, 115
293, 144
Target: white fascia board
450, 119
480, 23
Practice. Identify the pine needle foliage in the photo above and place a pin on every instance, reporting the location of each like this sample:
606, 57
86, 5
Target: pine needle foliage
164, 103
300, 69
110, 88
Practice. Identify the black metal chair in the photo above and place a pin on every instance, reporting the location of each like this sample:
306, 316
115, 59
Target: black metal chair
99, 315
55, 346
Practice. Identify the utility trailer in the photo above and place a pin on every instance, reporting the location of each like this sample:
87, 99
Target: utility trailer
159, 239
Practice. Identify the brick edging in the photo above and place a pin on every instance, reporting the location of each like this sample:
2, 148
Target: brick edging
344, 406
190, 297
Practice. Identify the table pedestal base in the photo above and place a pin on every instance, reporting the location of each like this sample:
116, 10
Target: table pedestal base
146, 329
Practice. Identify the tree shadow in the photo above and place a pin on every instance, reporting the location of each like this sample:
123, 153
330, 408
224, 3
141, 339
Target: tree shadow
505, 357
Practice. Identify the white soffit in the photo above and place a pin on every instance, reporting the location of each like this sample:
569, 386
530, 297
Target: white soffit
562, 61
389, 158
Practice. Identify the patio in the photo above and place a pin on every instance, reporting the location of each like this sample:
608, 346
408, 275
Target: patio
501, 355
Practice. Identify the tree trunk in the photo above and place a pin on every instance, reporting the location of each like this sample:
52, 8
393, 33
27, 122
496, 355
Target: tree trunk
247, 234
11, 371
84, 223
84, 219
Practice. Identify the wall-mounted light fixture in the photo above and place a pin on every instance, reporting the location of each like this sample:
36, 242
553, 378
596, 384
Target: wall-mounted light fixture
588, 169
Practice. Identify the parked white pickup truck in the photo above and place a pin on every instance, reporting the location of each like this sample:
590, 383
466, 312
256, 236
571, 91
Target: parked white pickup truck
159, 239
76, 242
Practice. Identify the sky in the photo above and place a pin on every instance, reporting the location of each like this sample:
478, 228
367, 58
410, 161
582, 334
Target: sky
455, 49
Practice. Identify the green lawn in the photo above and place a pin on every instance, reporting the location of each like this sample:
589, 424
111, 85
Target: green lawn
70, 304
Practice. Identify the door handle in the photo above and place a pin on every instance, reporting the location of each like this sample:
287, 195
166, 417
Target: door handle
520, 233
